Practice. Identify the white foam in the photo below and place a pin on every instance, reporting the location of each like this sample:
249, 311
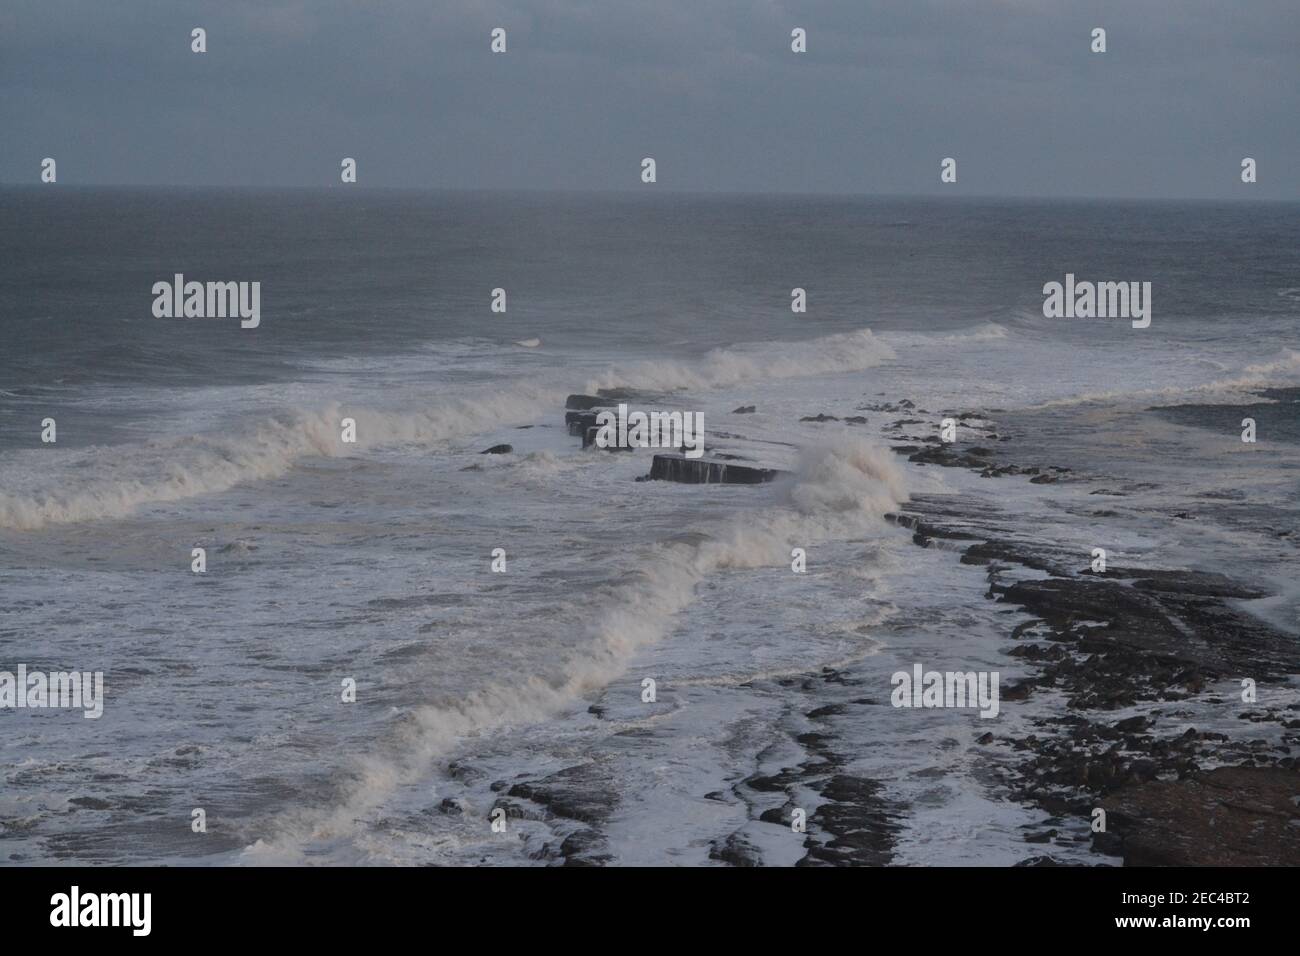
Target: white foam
112, 482
1235, 390
720, 368
840, 490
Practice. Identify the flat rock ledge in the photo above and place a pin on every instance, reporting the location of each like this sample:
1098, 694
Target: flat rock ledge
1232, 816
702, 471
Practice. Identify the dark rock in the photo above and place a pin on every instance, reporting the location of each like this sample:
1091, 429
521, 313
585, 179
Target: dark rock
861, 823
582, 848
514, 811
498, 450
735, 851
1203, 583
1134, 725
698, 471
589, 441
584, 402
578, 422
1232, 816
575, 793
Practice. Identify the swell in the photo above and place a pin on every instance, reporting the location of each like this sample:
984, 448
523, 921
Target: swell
113, 481
109, 482
1241, 388
719, 368
840, 491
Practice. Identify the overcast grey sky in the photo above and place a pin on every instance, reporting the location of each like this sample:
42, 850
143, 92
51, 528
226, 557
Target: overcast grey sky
709, 88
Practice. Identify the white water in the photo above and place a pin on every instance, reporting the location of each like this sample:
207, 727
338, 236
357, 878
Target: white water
371, 561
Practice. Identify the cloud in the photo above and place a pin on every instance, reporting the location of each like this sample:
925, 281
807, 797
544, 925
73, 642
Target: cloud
711, 90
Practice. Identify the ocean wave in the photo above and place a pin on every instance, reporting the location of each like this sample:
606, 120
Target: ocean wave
839, 490
127, 477
1238, 389
760, 361
987, 332
107, 482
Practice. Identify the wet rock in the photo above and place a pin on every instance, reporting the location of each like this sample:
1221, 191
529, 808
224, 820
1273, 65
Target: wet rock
861, 824
1203, 583
735, 850
699, 471
1134, 724
584, 847
514, 811
576, 793
589, 441
578, 422
584, 402
1232, 816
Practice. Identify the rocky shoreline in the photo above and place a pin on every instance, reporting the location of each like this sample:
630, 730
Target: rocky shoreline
1131, 657
1136, 639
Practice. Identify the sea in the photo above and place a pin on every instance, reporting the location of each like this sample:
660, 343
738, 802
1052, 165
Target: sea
370, 564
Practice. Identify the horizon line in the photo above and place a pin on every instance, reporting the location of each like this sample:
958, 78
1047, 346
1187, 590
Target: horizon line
718, 193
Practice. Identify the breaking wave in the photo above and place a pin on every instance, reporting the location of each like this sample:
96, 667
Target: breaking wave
108, 482
839, 490
1238, 389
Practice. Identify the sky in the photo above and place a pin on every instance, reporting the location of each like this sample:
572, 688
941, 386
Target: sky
709, 88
